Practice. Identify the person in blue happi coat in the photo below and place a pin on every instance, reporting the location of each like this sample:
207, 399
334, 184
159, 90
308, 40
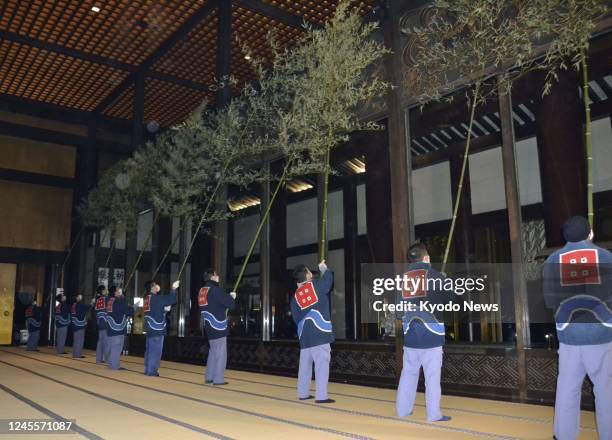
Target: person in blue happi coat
62, 321
424, 336
155, 308
99, 305
214, 304
117, 313
78, 313
34, 314
577, 283
310, 309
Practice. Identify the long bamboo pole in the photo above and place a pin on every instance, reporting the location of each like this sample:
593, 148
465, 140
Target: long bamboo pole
200, 223
323, 243
95, 259
462, 175
262, 222
587, 136
144, 247
76, 240
161, 263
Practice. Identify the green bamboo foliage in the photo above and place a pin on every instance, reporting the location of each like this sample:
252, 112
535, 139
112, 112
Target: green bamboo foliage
306, 101
469, 41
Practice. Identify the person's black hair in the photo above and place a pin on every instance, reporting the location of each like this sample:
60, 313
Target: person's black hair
576, 229
299, 273
148, 286
208, 274
100, 289
417, 252
112, 290
58, 297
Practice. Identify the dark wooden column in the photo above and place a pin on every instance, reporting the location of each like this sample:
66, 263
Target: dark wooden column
86, 175
562, 155
138, 110
511, 185
224, 45
351, 263
132, 237
399, 164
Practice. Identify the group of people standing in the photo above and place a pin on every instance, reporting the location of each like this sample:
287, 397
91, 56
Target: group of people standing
66, 316
577, 285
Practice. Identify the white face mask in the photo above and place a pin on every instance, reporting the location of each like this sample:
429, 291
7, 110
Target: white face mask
215, 278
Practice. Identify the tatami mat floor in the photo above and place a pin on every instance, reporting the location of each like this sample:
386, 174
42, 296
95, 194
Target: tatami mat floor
128, 405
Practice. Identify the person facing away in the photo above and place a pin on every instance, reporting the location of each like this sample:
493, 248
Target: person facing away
310, 309
100, 311
424, 337
577, 284
155, 308
117, 313
34, 315
78, 313
214, 305
62, 321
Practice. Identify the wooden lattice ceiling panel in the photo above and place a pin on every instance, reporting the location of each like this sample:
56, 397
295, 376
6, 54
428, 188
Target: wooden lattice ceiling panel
169, 104
251, 29
38, 74
122, 107
195, 57
313, 11
123, 30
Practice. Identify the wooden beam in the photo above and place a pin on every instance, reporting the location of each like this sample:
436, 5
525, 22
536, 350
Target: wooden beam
44, 135
96, 59
273, 12
60, 113
161, 50
36, 178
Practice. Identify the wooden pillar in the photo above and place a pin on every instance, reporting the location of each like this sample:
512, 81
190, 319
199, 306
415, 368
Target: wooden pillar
86, 175
351, 255
138, 110
562, 155
400, 166
224, 44
511, 185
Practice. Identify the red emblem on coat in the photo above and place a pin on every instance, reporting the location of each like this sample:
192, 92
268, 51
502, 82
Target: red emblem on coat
147, 303
109, 305
306, 296
415, 284
580, 267
29, 312
100, 303
73, 309
203, 297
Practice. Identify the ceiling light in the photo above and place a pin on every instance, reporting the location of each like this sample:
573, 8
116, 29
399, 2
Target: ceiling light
247, 57
95, 8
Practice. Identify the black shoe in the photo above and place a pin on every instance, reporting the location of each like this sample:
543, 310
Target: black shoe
208, 382
82, 357
325, 401
222, 383
443, 419
306, 398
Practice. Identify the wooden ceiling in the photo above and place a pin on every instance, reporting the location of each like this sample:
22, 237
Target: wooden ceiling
86, 54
